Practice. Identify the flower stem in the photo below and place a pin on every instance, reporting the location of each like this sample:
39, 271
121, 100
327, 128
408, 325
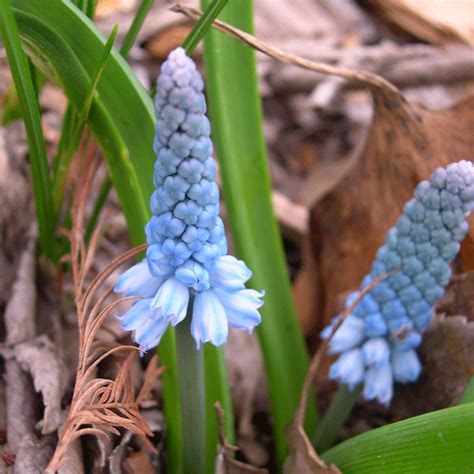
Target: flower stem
192, 398
336, 415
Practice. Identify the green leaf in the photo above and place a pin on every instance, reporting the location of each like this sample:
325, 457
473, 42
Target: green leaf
31, 115
64, 159
236, 119
437, 442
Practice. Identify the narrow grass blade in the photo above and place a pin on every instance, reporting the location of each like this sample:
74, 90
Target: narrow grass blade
236, 117
32, 118
202, 25
137, 23
336, 415
436, 443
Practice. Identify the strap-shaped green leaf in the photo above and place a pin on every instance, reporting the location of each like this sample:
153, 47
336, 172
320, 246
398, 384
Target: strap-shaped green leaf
27, 98
437, 442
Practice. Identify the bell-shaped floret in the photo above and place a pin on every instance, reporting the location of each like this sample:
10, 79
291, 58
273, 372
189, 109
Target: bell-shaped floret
406, 366
209, 322
349, 368
172, 300
378, 384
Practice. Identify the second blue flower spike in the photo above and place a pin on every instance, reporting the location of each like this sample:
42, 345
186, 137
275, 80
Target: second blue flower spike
186, 262
377, 341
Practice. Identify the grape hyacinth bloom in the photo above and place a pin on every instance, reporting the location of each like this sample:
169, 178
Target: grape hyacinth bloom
378, 339
186, 269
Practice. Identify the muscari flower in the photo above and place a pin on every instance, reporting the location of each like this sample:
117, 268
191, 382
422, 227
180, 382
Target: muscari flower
186, 269
378, 339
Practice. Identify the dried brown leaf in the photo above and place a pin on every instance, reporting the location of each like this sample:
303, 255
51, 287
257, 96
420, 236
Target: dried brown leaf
447, 354
225, 462
303, 458
404, 145
138, 463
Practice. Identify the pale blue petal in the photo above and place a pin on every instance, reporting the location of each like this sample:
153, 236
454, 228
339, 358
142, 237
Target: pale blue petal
229, 274
149, 334
349, 335
378, 384
406, 366
172, 300
348, 368
376, 352
209, 322
136, 315
138, 281
241, 307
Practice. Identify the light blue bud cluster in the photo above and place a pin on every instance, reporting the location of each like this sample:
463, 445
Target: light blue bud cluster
186, 262
377, 341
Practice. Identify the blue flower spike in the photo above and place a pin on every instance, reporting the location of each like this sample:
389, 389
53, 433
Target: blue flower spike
378, 339
186, 269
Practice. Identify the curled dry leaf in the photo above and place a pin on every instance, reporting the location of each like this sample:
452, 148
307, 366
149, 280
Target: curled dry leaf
225, 462
463, 295
303, 458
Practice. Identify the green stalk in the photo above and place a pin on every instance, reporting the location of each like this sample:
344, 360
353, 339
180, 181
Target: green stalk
336, 415
236, 118
217, 389
32, 117
216, 386
190, 364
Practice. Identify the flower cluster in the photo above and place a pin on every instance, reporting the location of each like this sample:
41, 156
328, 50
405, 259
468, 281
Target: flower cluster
186, 263
377, 341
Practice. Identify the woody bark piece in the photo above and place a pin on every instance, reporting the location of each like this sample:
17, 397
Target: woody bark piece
407, 66
436, 21
405, 144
